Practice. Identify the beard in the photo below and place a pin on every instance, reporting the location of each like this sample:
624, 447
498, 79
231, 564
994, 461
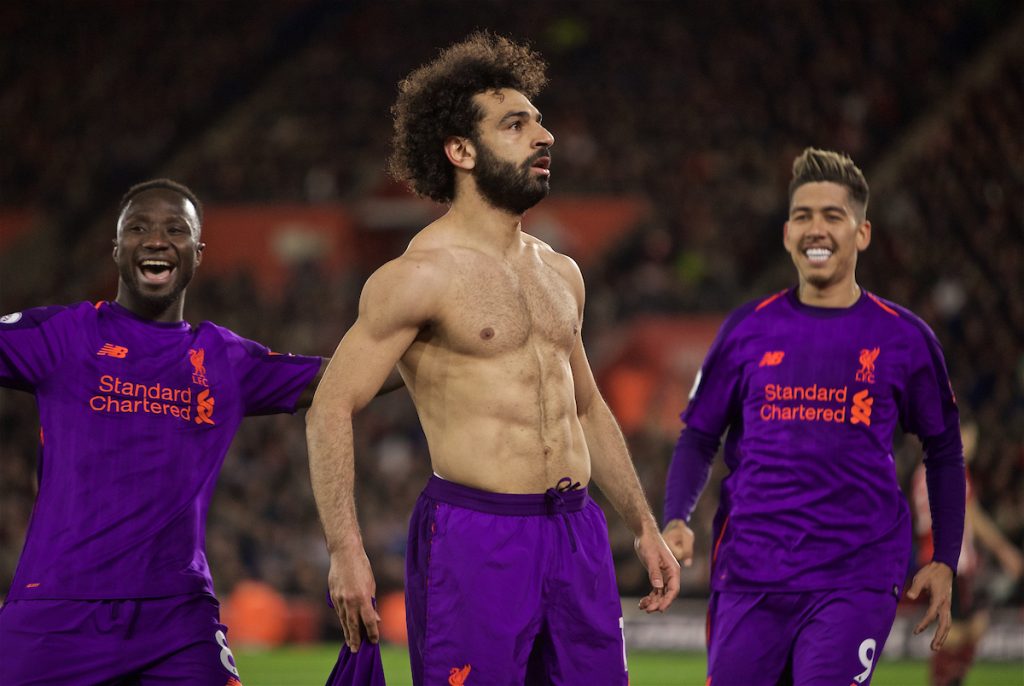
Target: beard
146, 298
507, 186
816, 279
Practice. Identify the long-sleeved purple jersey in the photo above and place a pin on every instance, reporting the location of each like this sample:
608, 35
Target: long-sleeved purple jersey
135, 420
811, 397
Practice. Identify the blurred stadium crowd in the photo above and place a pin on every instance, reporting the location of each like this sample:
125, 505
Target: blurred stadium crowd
697, 107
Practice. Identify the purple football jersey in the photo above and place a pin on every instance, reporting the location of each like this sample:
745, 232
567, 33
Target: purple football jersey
811, 397
135, 419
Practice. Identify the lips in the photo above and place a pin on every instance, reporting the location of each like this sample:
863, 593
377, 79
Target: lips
542, 164
818, 255
156, 272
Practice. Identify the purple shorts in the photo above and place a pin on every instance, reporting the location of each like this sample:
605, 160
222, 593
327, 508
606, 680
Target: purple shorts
176, 640
511, 590
817, 638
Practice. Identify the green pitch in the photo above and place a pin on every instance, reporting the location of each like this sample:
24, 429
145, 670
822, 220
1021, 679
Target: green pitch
309, 666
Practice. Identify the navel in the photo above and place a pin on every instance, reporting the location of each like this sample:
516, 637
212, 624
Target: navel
547, 451
487, 334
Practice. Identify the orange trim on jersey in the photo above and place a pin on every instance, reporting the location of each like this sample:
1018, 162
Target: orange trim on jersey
881, 304
721, 534
99, 303
42, 441
769, 300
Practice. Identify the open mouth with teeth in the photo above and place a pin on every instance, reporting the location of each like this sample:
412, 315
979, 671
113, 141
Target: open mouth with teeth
818, 255
156, 272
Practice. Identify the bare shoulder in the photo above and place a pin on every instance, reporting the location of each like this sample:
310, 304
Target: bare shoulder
563, 264
409, 287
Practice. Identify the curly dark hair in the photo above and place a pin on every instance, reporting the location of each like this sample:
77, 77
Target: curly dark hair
436, 101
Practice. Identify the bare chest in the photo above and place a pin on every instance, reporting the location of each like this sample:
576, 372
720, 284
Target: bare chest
497, 308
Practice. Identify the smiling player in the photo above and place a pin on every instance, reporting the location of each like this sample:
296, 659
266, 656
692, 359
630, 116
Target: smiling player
137, 409
812, 536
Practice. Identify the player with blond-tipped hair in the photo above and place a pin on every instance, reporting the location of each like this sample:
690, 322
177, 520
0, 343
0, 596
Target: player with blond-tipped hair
812, 537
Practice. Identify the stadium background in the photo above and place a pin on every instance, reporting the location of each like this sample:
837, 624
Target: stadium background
675, 127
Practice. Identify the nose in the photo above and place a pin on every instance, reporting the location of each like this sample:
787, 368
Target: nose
156, 238
817, 227
545, 139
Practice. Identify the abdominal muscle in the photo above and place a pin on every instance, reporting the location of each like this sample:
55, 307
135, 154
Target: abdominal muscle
505, 424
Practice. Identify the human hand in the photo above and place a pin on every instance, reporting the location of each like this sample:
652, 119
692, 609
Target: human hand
662, 569
679, 538
352, 589
937, 579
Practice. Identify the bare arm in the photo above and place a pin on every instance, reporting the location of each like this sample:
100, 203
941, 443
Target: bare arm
613, 471
392, 383
393, 306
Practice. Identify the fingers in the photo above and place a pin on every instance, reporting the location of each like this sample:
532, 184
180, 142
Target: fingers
359, 615
665, 584
686, 554
679, 539
677, 544
651, 602
672, 587
945, 624
915, 587
929, 617
350, 625
371, 620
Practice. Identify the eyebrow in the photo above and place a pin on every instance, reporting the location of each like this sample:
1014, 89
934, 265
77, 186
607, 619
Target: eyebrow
521, 114
130, 216
826, 208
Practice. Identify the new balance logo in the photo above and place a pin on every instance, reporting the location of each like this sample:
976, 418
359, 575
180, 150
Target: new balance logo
860, 413
772, 358
111, 350
457, 677
866, 374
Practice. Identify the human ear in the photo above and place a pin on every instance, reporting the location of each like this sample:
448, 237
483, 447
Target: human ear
460, 152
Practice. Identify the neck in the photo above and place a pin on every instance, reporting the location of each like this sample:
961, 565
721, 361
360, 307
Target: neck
492, 226
172, 312
834, 295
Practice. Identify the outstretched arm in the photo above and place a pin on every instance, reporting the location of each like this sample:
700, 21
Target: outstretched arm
391, 310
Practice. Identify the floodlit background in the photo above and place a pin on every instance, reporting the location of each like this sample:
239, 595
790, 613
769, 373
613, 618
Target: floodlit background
675, 126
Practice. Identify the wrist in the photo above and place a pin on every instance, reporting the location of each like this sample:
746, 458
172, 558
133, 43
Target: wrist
647, 526
345, 546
